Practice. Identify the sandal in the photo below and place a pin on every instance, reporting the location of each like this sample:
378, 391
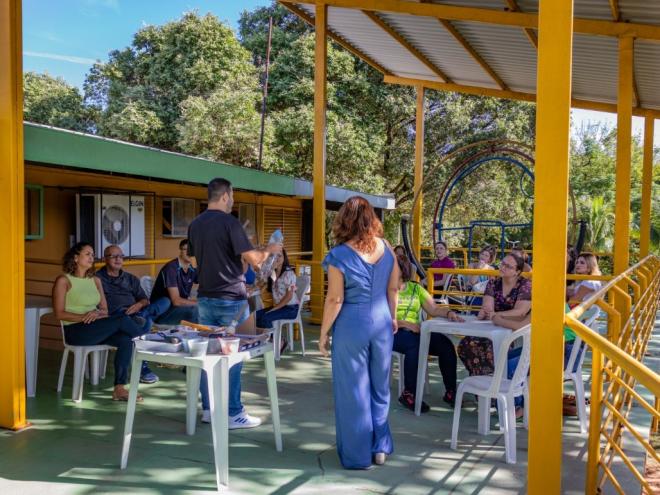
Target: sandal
123, 397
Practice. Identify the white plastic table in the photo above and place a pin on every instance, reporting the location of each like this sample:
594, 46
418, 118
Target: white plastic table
217, 367
35, 308
470, 327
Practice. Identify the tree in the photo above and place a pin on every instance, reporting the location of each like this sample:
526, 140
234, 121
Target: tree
225, 126
148, 81
52, 101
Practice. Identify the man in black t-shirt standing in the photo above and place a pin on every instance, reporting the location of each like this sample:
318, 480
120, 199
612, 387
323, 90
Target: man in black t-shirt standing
219, 244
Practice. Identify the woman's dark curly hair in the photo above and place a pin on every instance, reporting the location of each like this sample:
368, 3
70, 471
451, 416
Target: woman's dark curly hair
405, 267
69, 259
357, 221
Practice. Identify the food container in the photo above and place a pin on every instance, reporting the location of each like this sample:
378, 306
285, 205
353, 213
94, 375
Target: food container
229, 345
198, 347
157, 346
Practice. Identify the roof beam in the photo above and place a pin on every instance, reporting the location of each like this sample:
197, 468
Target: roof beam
531, 34
336, 38
407, 45
492, 16
473, 53
614, 7
512, 95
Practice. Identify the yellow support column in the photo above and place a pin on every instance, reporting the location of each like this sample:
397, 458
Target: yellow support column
12, 293
419, 173
647, 188
623, 156
550, 223
320, 101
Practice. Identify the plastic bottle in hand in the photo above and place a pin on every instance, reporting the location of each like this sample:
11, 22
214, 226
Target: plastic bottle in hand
267, 266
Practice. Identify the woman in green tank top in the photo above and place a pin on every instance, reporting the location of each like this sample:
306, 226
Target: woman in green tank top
79, 303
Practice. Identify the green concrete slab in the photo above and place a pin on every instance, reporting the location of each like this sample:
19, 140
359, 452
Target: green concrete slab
75, 448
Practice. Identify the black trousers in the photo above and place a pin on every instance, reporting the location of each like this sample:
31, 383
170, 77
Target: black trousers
407, 343
117, 331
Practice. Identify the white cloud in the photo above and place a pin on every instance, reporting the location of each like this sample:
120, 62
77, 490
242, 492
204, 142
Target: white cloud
64, 58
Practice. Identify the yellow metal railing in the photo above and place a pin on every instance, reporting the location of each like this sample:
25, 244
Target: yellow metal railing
620, 381
460, 299
462, 254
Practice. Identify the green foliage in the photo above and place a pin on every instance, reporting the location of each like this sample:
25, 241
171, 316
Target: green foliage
52, 101
224, 126
165, 65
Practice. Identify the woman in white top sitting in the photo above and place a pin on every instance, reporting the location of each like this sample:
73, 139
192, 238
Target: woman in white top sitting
282, 285
585, 264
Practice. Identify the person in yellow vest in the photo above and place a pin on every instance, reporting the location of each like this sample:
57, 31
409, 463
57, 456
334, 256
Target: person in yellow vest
79, 303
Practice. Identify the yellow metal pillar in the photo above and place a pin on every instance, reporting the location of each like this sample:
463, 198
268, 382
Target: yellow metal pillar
623, 156
647, 188
553, 107
320, 101
419, 173
12, 293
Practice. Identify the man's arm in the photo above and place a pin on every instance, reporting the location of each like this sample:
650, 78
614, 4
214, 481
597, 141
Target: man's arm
142, 301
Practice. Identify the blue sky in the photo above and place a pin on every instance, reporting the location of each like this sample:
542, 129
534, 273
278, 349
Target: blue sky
65, 37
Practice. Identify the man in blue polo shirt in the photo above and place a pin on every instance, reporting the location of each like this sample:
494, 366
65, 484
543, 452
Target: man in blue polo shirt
124, 295
174, 283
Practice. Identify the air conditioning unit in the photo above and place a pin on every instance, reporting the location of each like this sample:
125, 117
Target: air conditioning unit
106, 219
178, 213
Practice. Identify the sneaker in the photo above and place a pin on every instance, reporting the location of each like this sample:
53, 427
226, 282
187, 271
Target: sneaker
146, 375
408, 400
206, 416
243, 420
450, 397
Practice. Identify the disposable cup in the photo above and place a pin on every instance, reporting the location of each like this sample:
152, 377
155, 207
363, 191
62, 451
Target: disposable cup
197, 347
229, 345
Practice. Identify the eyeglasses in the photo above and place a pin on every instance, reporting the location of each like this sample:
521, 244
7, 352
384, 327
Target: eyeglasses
116, 257
506, 265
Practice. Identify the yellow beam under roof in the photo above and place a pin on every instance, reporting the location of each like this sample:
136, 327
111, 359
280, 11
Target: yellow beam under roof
492, 16
511, 95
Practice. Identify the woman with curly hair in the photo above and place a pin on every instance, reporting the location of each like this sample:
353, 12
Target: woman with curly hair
79, 303
360, 308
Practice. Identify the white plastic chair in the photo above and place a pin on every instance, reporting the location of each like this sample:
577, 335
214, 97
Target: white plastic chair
504, 390
575, 377
302, 285
80, 352
400, 360
147, 284
446, 283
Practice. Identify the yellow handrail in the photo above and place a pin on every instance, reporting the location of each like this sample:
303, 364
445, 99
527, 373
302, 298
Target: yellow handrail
617, 369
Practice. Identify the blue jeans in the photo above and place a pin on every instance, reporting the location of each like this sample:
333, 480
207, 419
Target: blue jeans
175, 314
220, 312
149, 312
266, 316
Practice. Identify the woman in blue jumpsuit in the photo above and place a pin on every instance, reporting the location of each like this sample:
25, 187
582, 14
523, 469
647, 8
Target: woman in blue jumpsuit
359, 308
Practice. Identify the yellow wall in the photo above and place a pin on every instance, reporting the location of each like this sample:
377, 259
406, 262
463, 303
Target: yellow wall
60, 187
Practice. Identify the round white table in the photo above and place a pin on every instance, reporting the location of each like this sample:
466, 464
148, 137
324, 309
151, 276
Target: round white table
470, 327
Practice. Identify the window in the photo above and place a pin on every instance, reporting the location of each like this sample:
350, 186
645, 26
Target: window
177, 215
34, 212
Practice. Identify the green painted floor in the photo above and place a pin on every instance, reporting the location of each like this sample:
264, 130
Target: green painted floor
75, 449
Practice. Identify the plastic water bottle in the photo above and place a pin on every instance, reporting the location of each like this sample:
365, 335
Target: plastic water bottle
267, 266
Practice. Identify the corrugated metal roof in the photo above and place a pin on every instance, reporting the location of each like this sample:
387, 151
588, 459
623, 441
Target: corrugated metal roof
507, 50
434, 41
647, 72
595, 68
